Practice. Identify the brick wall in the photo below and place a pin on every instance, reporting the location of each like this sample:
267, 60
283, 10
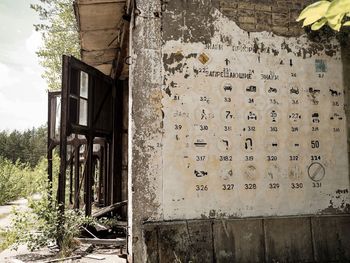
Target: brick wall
276, 16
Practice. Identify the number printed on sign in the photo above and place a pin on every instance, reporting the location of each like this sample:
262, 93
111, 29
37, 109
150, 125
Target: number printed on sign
315, 144
296, 185
274, 185
249, 158
271, 158
225, 158
293, 158
201, 187
200, 158
316, 184
249, 186
228, 187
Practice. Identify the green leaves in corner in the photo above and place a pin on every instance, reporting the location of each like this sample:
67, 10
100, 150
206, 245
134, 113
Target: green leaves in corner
324, 12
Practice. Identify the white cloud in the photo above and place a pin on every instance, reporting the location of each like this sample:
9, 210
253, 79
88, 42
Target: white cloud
7, 77
23, 98
33, 42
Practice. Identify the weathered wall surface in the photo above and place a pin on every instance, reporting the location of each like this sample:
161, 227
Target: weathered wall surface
230, 121
254, 123
145, 115
300, 239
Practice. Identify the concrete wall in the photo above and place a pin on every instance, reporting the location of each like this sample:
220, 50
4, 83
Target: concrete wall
235, 114
301, 239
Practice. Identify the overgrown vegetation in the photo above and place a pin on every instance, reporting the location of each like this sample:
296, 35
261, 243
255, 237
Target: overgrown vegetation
22, 166
60, 36
43, 224
17, 180
22, 163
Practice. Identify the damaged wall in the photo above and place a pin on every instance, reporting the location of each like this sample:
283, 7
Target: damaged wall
254, 124
230, 121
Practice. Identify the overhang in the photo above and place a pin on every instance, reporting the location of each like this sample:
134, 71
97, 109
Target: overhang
101, 32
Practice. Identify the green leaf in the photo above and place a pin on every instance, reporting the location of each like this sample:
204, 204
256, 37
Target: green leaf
335, 22
338, 7
347, 23
317, 25
313, 12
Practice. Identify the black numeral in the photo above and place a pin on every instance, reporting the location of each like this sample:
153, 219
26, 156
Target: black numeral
249, 186
228, 187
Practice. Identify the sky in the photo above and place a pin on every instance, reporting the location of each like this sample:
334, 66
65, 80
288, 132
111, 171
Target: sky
23, 93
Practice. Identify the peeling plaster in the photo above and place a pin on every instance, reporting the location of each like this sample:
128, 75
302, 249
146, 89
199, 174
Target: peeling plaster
260, 60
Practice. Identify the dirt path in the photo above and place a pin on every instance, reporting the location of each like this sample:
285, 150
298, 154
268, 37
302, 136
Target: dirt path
5, 222
5, 211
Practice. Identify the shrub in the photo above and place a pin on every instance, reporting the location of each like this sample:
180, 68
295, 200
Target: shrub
20, 180
43, 224
11, 183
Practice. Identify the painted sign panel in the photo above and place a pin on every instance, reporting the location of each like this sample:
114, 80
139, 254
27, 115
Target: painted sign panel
254, 126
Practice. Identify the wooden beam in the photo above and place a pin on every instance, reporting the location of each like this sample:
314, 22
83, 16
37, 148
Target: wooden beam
110, 208
107, 242
97, 2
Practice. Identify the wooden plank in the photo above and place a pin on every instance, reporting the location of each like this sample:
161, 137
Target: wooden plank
100, 16
62, 259
107, 242
99, 56
97, 257
239, 240
110, 208
288, 240
105, 68
97, 2
99, 39
331, 238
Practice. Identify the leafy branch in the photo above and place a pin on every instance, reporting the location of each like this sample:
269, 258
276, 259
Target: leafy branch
60, 36
335, 14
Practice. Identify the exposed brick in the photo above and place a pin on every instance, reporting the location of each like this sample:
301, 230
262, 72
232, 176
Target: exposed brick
246, 5
263, 7
247, 19
246, 13
280, 19
228, 4
286, 4
294, 24
280, 30
277, 9
293, 14
232, 13
298, 6
263, 18
263, 27
296, 31
266, 2
278, 16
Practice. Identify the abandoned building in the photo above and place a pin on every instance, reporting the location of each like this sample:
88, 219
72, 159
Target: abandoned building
216, 128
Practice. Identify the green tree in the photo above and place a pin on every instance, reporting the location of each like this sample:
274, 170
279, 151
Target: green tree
334, 13
27, 146
60, 36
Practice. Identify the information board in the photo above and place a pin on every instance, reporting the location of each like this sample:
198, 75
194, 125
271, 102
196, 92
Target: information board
254, 125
